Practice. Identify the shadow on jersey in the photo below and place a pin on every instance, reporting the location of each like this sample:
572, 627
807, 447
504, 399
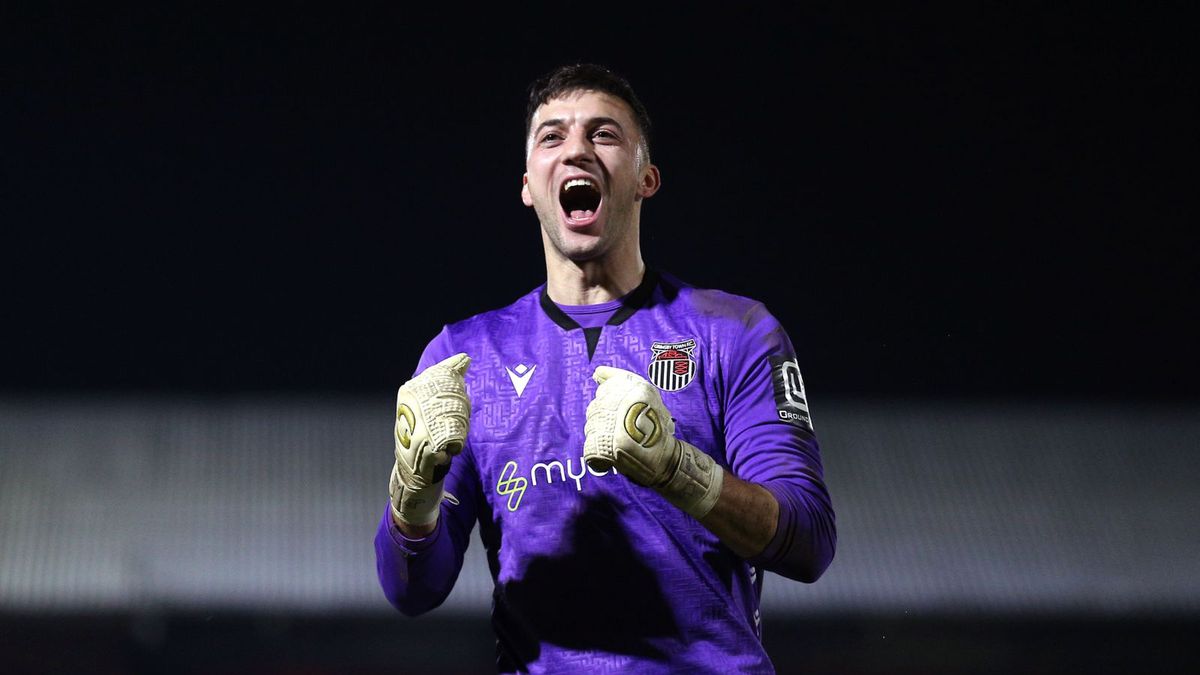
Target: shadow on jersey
580, 600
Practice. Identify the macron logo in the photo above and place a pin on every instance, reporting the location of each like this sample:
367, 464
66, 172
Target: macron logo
520, 376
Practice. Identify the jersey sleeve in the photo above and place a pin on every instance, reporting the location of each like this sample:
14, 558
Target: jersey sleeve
770, 441
418, 574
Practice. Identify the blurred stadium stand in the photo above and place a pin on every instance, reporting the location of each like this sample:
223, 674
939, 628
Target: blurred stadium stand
235, 535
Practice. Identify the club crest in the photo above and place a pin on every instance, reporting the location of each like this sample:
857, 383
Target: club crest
672, 367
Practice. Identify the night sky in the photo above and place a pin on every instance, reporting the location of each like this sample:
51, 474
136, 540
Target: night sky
984, 202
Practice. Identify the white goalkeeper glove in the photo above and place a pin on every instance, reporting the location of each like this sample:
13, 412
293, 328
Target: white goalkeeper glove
432, 418
629, 427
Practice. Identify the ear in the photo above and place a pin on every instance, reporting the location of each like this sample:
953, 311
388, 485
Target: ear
526, 198
650, 182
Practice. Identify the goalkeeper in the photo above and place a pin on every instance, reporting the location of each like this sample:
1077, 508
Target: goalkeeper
636, 451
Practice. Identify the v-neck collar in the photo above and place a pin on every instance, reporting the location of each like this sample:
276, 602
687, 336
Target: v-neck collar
629, 304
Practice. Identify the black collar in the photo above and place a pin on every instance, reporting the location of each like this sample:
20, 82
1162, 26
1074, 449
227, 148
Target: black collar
629, 304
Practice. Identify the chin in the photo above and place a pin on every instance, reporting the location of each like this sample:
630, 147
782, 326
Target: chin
571, 240
582, 254
576, 250
578, 244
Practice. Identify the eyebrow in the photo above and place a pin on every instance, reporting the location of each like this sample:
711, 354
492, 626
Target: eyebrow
591, 122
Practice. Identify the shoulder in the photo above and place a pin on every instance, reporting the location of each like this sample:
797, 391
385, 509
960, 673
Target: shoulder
477, 334
502, 320
736, 311
739, 329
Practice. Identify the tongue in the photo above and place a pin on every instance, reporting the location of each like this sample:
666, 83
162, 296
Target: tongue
579, 214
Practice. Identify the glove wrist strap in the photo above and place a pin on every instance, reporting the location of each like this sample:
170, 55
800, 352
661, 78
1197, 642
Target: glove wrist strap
416, 506
696, 483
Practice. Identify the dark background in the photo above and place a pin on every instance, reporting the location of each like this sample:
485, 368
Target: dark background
976, 202
953, 201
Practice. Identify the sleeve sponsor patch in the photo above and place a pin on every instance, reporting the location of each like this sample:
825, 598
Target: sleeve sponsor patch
790, 399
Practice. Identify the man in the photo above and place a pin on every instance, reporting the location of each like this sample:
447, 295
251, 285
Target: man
636, 450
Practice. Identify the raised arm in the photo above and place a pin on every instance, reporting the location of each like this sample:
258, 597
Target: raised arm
772, 506
434, 488
772, 448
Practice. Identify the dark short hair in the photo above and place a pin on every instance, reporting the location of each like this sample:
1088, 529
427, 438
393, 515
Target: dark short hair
586, 77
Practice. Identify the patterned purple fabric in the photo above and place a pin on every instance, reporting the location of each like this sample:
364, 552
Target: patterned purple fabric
593, 572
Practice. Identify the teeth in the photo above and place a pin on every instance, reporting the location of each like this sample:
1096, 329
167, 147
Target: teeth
577, 182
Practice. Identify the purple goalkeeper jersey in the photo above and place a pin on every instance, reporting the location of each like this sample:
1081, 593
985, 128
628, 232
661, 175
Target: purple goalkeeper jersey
592, 572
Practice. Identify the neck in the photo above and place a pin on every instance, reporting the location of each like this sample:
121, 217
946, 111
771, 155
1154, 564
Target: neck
591, 282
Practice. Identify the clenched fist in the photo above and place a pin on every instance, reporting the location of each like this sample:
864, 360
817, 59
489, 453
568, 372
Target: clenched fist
629, 428
432, 419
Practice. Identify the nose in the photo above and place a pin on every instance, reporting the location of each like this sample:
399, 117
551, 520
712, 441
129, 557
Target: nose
577, 149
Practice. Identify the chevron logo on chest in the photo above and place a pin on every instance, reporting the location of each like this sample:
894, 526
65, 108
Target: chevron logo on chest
519, 376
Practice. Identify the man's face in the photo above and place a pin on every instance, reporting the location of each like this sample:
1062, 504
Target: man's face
586, 174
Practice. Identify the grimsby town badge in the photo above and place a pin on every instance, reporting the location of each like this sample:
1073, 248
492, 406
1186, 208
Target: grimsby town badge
672, 366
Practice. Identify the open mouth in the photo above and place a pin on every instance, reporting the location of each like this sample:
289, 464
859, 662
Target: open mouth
580, 200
